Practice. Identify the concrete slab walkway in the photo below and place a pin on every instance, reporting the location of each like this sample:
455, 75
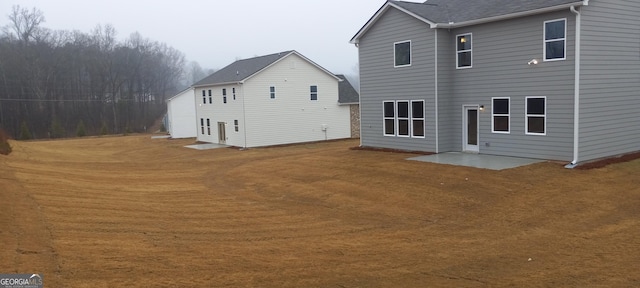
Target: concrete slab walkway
206, 146
492, 162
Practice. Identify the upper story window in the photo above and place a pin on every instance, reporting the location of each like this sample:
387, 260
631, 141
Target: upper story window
500, 115
555, 40
224, 95
402, 53
314, 92
463, 49
272, 92
233, 91
204, 97
210, 101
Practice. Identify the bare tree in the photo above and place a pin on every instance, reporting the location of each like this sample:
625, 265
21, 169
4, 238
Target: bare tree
24, 23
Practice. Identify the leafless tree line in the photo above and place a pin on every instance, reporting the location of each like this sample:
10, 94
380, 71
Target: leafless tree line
61, 78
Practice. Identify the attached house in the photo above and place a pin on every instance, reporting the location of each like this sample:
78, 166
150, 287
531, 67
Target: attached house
181, 115
347, 95
274, 99
553, 79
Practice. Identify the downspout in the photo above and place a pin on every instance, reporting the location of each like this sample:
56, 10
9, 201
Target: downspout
244, 114
576, 101
436, 94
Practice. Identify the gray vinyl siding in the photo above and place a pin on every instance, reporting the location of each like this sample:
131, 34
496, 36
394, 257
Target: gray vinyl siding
449, 132
610, 79
500, 52
380, 81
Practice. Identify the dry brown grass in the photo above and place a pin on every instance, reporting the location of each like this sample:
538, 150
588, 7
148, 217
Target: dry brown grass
136, 212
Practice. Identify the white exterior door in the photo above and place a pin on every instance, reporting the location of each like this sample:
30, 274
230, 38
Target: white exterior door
470, 128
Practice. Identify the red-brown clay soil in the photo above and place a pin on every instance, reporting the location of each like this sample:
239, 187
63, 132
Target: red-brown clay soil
139, 212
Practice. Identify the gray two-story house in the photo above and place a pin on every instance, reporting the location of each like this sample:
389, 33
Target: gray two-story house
548, 79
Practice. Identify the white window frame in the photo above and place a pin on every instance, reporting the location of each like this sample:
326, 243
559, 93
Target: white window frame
272, 92
527, 115
236, 125
424, 129
224, 95
545, 41
408, 119
311, 93
234, 92
384, 119
210, 97
470, 50
204, 96
410, 54
208, 126
202, 125
493, 115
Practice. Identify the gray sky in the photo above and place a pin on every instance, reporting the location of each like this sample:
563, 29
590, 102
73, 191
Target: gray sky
215, 32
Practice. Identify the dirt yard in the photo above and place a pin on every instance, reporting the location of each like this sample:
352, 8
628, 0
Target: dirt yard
139, 212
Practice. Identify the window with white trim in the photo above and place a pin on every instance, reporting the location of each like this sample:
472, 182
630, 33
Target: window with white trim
204, 97
236, 125
463, 49
233, 91
404, 118
314, 92
208, 126
389, 116
224, 95
555, 40
402, 54
272, 92
500, 115
202, 122
417, 118
210, 101
536, 115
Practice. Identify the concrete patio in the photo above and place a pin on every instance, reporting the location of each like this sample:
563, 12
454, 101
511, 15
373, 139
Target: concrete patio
492, 162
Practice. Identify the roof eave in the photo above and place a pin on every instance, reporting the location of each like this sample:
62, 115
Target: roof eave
217, 84
509, 16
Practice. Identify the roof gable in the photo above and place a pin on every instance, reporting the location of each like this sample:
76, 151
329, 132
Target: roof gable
242, 70
346, 93
456, 13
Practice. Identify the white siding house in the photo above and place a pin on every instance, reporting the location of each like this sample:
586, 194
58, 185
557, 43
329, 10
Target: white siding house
269, 100
181, 115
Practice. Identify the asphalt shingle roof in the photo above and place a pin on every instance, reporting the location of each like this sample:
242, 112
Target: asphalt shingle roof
448, 11
242, 69
346, 92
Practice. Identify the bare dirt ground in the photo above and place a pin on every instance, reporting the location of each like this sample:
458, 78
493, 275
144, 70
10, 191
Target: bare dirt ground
139, 212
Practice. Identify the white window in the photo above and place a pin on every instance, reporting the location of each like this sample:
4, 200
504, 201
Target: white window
389, 116
402, 54
463, 48
224, 95
208, 126
233, 90
202, 122
500, 114
417, 119
204, 97
404, 118
314, 92
555, 40
210, 101
236, 125
272, 92
536, 115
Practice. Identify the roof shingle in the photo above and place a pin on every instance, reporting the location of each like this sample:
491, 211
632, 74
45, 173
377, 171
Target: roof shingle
242, 69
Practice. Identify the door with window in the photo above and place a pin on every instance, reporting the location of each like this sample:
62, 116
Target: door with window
222, 133
470, 127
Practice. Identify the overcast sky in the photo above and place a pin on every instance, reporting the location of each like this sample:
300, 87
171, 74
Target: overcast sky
215, 32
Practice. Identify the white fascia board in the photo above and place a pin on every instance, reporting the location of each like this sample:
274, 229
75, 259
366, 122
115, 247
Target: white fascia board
218, 84
509, 16
381, 11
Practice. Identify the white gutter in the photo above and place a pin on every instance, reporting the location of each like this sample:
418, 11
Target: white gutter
436, 94
509, 16
576, 93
